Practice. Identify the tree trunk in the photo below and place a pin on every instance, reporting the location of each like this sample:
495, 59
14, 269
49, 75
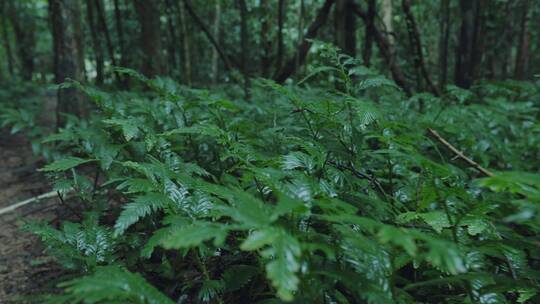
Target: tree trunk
416, 44
443, 42
65, 18
105, 30
172, 37
120, 33
388, 23
522, 56
150, 39
215, 55
301, 11
98, 51
266, 42
5, 37
345, 26
186, 47
281, 47
469, 51
368, 40
24, 28
386, 50
289, 68
245, 46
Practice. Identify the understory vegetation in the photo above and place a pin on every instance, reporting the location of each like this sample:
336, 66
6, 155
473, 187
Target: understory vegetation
270, 151
304, 193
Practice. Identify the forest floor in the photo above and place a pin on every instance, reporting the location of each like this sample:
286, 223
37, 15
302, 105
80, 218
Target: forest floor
24, 267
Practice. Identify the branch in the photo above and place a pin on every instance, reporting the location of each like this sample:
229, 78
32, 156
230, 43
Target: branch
300, 55
373, 181
384, 46
414, 35
228, 65
15, 206
460, 154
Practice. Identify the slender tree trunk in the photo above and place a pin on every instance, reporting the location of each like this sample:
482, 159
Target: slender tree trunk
186, 46
386, 50
289, 68
522, 56
416, 44
215, 54
469, 51
105, 30
120, 32
388, 23
68, 54
245, 47
98, 51
346, 26
150, 40
301, 11
281, 47
266, 42
370, 24
172, 37
5, 37
24, 28
443, 42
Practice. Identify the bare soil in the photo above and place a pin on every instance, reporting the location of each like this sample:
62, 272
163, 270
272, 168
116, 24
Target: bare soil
24, 267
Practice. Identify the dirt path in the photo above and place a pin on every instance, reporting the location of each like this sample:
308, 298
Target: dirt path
24, 268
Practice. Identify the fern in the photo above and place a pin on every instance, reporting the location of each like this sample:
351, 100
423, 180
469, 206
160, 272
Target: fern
111, 284
330, 193
139, 208
65, 164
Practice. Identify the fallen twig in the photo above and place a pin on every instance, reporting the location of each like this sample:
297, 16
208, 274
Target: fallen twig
460, 154
15, 206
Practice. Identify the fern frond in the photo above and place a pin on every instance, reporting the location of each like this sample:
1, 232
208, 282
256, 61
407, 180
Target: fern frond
139, 208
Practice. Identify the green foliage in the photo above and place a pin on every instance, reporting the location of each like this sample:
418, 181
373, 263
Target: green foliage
331, 194
111, 284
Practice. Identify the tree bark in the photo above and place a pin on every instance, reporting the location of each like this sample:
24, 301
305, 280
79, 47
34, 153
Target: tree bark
386, 50
24, 27
186, 46
172, 37
226, 60
105, 30
522, 56
289, 68
98, 51
5, 38
370, 24
150, 39
443, 43
469, 51
388, 23
281, 48
301, 12
416, 43
215, 55
120, 32
345, 26
65, 18
245, 46
266, 42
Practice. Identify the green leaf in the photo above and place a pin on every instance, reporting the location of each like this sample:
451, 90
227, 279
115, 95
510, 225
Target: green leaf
193, 235
284, 254
436, 219
139, 208
129, 128
113, 283
65, 164
236, 276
